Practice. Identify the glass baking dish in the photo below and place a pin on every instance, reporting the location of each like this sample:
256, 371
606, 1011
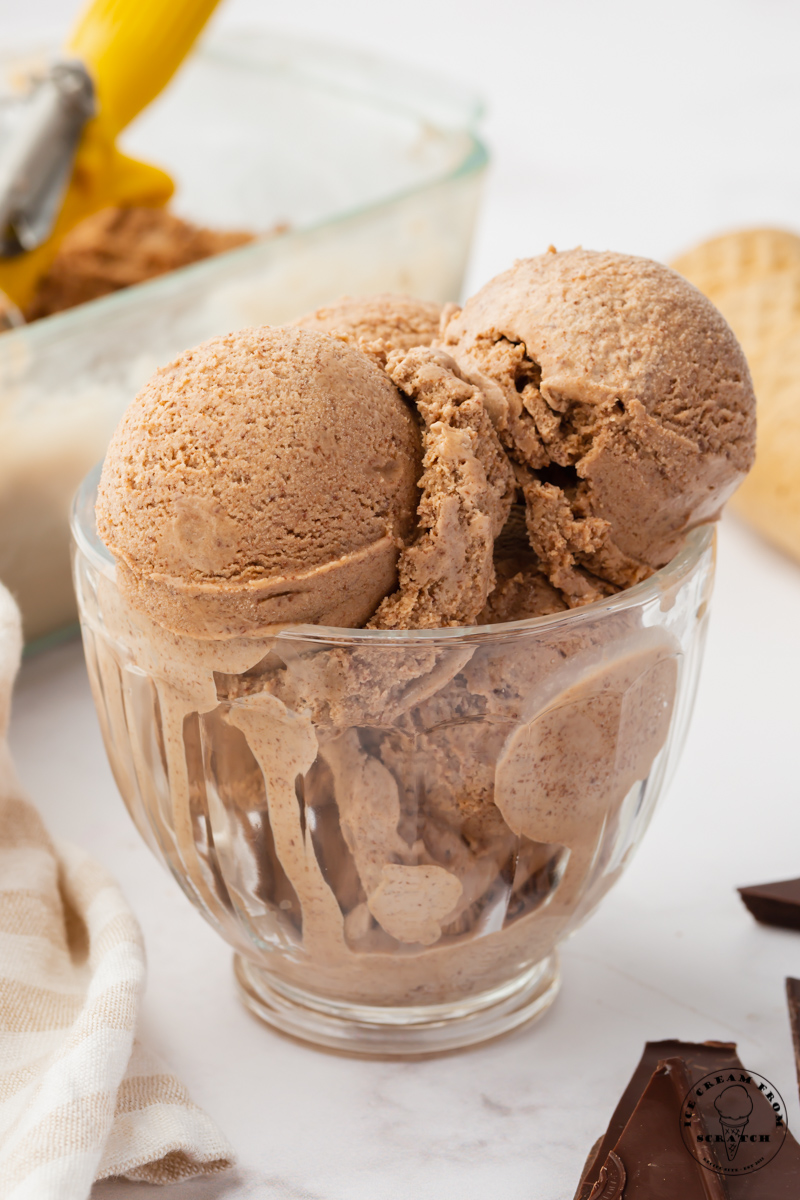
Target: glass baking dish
372, 172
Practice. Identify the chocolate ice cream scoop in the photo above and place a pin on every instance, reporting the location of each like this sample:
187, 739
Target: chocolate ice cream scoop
625, 401
521, 588
399, 322
265, 477
467, 488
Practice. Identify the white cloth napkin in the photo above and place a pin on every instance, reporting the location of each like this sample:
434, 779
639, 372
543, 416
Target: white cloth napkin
80, 1099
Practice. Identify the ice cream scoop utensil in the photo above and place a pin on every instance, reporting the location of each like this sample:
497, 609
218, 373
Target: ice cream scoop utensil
61, 163
36, 161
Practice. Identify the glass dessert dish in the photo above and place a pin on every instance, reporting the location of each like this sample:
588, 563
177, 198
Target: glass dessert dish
362, 175
395, 829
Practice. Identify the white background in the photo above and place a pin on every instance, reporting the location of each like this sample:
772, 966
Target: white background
634, 126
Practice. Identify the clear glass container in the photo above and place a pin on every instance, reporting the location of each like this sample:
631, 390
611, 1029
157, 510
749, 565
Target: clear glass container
395, 829
372, 171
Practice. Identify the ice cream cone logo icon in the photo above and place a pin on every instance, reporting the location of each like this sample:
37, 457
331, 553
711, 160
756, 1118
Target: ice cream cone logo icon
734, 1107
739, 1110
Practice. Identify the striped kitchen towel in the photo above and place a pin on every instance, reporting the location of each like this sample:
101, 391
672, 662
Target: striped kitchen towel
80, 1099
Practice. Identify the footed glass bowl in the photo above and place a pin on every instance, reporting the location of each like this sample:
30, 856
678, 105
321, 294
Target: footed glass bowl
395, 830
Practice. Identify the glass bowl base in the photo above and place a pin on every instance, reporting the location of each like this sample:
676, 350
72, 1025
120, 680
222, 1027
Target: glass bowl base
374, 1031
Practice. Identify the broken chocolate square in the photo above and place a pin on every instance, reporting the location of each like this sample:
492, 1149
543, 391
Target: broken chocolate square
704, 1056
693, 1123
774, 903
793, 997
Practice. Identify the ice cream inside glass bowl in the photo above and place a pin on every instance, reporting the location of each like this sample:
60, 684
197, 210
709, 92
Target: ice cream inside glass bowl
394, 618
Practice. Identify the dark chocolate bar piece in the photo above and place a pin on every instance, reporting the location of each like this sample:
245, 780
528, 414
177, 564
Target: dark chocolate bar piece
774, 903
793, 998
611, 1181
649, 1159
703, 1056
655, 1163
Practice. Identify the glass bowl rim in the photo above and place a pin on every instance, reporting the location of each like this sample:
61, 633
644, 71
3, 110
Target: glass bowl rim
696, 543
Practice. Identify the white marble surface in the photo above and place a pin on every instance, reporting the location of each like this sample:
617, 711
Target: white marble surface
641, 127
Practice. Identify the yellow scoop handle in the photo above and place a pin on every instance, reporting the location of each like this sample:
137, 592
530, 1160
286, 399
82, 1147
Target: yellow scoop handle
131, 48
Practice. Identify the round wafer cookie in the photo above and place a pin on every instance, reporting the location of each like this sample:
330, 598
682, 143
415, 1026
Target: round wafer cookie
769, 498
762, 310
737, 258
